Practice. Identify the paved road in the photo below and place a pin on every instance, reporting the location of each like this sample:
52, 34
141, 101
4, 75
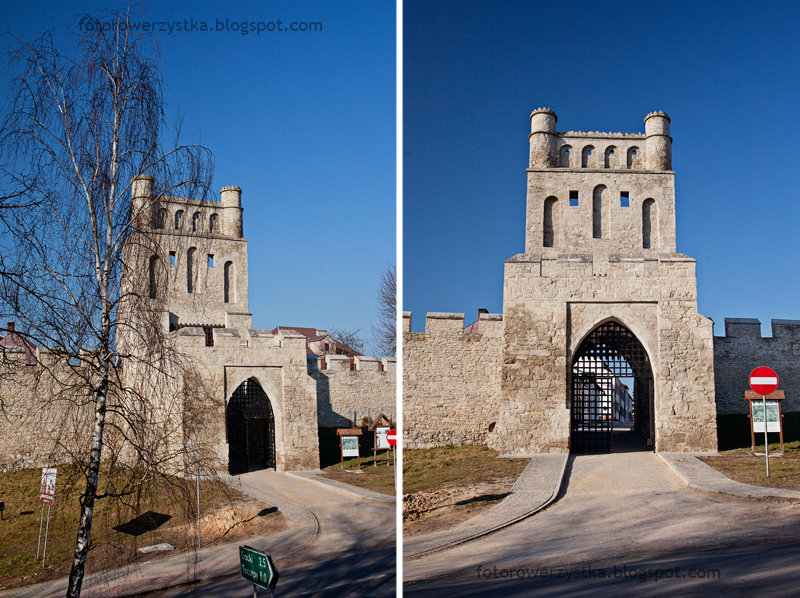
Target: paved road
624, 508
352, 574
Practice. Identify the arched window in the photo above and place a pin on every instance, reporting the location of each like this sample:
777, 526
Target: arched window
157, 215
551, 217
189, 270
153, 276
634, 159
649, 225
195, 222
565, 154
230, 283
600, 212
178, 219
212, 223
610, 156
587, 159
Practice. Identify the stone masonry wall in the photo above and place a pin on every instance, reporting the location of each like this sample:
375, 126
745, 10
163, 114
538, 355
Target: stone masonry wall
451, 380
39, 426
345, 396
742, 349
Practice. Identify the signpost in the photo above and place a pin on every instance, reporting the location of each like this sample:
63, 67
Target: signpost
380, 427
259, 569
348, 442
756, 414
764, 381
391, 438
47, 493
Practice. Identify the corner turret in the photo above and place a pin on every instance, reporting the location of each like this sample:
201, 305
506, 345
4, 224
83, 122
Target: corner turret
231, 199
658, 147
544, 150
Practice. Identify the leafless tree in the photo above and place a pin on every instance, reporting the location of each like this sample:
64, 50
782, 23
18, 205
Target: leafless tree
80, 127
349, 338
385, 332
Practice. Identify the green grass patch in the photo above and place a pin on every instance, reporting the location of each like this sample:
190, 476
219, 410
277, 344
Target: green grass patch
379, 479
159, 511
434, 468
735, 447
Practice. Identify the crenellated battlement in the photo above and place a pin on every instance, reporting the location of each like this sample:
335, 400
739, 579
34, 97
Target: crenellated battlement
743, 349
451, 377
450, 325
351, 388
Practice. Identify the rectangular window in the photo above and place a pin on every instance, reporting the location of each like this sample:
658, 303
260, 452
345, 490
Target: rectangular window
573, 199
210, 261
624, 199
172, 258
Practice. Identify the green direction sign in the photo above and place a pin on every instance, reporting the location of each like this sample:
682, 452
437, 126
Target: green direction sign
258, 568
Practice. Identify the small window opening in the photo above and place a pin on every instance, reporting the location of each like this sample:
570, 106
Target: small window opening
178, 219
573, 199
212, 223
195, 219
624, 199
210, 261
172, 258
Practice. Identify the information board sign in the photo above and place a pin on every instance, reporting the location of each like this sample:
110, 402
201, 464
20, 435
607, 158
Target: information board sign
350, 446
773, 416
383, 442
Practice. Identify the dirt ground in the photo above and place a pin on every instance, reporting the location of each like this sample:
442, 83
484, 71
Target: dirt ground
227, 516
429, 511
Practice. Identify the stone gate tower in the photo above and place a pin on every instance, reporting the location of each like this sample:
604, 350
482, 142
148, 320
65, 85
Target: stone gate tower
600, 271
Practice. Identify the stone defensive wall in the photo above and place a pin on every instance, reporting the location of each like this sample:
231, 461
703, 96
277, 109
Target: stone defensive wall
40, 424
347, 392
743, 349
451, 380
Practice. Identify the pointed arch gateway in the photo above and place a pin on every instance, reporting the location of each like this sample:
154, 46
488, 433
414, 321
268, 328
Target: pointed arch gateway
250, 425
608, 360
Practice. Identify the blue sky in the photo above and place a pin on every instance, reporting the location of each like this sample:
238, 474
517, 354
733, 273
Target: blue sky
726, 73
304, 123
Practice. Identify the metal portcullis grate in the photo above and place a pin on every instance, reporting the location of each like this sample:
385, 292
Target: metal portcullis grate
251, 429
609, 353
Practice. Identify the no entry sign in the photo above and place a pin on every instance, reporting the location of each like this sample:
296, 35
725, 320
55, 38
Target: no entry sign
391, 437
763, 381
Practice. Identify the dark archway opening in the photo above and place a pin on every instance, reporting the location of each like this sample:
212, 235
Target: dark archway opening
612, 387
250, 429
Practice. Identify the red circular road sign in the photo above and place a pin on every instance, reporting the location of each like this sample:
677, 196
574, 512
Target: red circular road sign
391, 437
763, 381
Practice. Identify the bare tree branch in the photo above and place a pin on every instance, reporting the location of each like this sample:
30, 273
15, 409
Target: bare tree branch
385, 332
79, 130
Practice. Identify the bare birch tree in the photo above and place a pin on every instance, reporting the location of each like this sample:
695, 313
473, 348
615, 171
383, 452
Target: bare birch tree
78, 130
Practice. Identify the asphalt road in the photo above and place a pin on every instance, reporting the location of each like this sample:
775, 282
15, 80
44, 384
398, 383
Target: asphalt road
629, 511
760, 571
351, 574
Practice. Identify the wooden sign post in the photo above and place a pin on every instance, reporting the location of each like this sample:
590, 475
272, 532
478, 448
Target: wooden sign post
774, 418
348, 443
380, 427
